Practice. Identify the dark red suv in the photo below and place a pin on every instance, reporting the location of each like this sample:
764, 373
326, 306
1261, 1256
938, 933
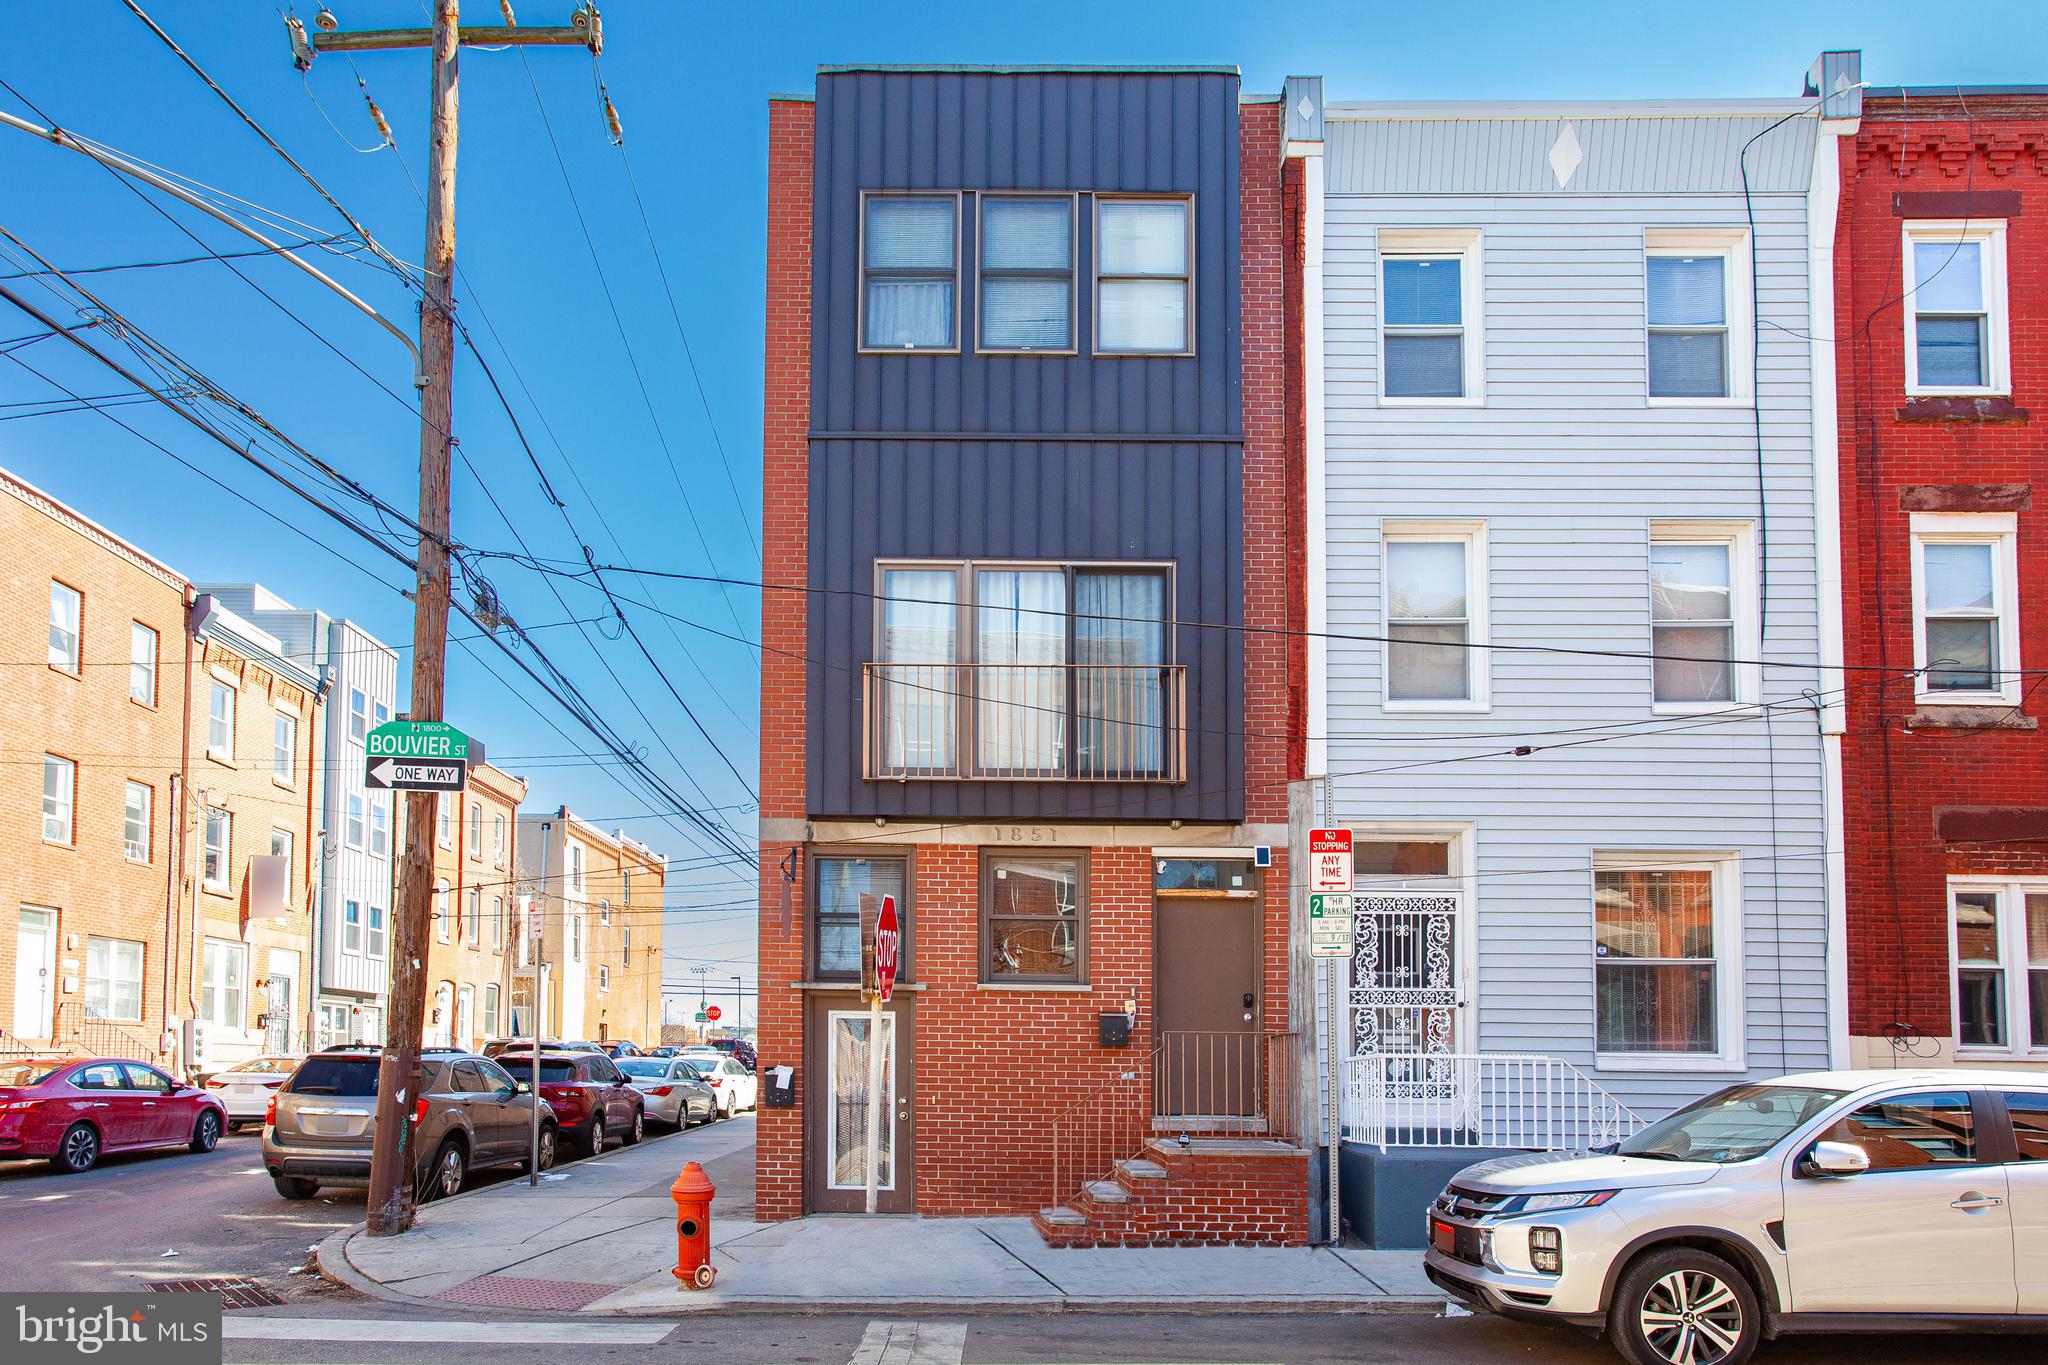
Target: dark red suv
592, 1098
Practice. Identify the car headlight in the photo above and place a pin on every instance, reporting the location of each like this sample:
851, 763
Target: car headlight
1551, 1203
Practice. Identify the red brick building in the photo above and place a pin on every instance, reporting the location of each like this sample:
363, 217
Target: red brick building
1029, 476
1941, 343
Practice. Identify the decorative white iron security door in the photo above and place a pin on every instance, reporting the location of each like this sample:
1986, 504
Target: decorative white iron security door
1404, 978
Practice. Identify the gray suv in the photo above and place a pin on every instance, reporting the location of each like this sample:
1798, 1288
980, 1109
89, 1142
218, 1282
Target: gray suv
469, 1114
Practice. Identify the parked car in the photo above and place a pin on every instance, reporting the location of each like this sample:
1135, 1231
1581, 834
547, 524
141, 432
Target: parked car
736, 1086
1826, 1201
499, 1045
619, 1047
470, 1114
246, 1089
737, 1047
75, 1111
591, 1098
676, 1093
664, 1051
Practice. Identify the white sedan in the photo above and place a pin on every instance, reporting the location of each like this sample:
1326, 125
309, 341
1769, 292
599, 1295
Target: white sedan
736, 1087
245, 1088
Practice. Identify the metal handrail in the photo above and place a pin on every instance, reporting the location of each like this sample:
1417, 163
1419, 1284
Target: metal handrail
1052, 722
1514, 1100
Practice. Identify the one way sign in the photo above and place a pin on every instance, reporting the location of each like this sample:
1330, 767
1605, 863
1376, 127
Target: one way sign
390, 774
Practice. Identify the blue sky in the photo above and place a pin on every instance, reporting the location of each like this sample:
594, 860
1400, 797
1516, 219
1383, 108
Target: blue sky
690, 83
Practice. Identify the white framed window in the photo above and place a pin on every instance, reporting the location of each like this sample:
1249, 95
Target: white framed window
380, 826
1966, 629
281, 847
220, 722
604, 911
284, 747
352, 926
490, 1012
626, 946
910, 272
358, 716
142, 652
224, 990
136, 831
113, 979
1667, 961
374, 941
497, 841
465, 1016
473, 918
444, 820
1435, 604
60, 798
217, 829
352, 831
572, 862
1998, 948
67, 608
575, 938
1955, 313
498, 923
1144, 275
379, 713
1025, 274
476, 831
443, 911
1703, 626
1432, 317
604, 979
1697, 316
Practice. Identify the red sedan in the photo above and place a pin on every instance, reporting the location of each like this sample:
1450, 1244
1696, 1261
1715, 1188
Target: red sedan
74, 1111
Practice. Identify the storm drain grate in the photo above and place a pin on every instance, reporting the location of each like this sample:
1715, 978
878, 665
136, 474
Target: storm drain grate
519, 1291
235, 1291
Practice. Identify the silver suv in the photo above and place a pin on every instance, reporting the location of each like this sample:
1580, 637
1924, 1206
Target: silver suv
469, 1114
1829, 1201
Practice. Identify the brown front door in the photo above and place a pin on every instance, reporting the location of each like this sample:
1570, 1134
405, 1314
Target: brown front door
1205, 959
836, 1104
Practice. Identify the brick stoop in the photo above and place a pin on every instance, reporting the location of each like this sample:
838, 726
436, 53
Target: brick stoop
1211, 1192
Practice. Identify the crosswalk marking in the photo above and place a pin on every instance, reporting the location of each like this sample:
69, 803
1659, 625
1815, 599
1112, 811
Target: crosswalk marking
444, 1330
911, 1343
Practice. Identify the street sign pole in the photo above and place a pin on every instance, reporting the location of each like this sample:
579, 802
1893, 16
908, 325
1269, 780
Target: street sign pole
1330, 875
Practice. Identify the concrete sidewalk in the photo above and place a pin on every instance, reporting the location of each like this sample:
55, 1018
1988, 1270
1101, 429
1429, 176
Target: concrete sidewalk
598, 1237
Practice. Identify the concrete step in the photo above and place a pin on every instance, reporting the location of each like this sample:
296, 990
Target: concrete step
1137, 1168
1106, 1192
1061, 1216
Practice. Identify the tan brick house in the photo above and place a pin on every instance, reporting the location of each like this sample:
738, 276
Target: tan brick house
475, 940
599, 895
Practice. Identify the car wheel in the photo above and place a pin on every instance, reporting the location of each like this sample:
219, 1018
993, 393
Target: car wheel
637, 1131
206, 1132
547, 1146
593, 1141
291, 1187
78, 1149
446, 1176
1684, 1307
731, 1106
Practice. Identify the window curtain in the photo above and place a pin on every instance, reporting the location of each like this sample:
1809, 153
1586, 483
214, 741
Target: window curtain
1120, 690
918, 676
1021, 647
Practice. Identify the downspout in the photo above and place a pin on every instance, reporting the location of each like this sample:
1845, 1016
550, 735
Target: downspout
309, 987
1318, 716
185, 795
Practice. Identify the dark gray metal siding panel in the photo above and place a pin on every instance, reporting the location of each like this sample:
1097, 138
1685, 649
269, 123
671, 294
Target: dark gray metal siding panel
1064, 501
1177, 501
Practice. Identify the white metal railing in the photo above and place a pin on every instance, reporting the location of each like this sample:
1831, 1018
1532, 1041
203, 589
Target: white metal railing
1479, 1099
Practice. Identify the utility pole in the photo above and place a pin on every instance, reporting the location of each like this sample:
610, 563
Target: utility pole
392, 1159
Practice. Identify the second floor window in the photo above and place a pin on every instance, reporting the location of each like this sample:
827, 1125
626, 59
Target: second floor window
1033, 672
1435, 615
1027, 274
358, 715
380, 826
220, 722
135, 822
910, 268
476, 830
60, 787
1143, 276
1701, 615
142, 647
214, 849
352, 832
1955, 314
284, 746
1965, 630
65, 608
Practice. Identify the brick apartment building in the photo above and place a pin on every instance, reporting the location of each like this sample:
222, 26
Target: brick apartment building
1027, 420
162, 871
474, 947
600, 897
1941, 329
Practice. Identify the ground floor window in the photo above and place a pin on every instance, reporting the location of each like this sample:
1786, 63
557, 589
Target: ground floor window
1999, 954
223, 995
113, 979
842, 883
1033, 918
1666, 952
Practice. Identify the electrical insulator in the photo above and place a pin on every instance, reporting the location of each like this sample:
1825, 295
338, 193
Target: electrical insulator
377, 117
611, 122
325, 20
302, 51
505, 8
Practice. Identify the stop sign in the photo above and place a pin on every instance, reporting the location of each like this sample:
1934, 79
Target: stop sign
886, 941
711, 1012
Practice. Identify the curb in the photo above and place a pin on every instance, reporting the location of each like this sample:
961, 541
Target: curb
336, 1267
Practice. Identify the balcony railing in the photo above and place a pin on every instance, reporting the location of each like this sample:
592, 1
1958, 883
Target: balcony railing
1025, 722
1514, 1100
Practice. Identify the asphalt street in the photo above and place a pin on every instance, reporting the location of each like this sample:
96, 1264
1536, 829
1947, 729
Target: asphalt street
110, 1228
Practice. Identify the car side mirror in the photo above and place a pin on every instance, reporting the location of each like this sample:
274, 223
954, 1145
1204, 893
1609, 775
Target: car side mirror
1836, 1159
521, 1088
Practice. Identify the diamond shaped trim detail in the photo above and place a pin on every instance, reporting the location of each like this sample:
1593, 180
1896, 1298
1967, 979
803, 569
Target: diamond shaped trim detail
1565, 155
1305, 109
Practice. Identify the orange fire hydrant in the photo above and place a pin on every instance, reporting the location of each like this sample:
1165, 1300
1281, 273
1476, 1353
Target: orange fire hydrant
692, 1192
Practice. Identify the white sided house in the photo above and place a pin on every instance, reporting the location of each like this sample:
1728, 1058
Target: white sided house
1570, 525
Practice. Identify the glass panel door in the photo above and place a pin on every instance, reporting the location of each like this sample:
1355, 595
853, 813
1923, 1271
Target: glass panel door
918, 623
1120, 681
846, 1120
1021, 655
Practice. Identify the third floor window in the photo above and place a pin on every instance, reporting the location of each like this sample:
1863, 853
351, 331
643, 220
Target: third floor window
910, 267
